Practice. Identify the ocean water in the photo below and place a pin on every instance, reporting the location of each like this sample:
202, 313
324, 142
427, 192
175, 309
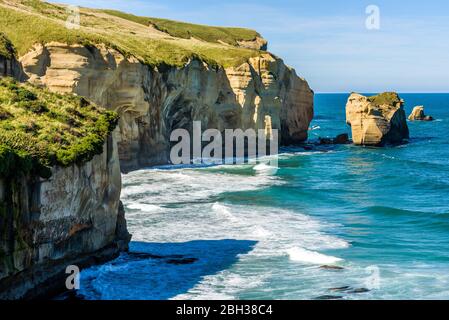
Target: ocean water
381, 215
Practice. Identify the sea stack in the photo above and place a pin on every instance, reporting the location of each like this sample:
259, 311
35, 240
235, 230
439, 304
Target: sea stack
377, 120
418, 114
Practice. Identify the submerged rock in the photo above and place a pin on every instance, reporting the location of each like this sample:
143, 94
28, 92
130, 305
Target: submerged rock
418, 114
340, 139
377, 120
336, 268
340, 289
182, 261
359, 290
348, 289
328, 297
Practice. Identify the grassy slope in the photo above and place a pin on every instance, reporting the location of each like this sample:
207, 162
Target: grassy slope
187, 30
39, 129
26, 22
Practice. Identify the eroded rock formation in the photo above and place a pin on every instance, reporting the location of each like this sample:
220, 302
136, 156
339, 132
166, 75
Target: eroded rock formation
154, 101
258, 43
418, 114
377, 120
74, 218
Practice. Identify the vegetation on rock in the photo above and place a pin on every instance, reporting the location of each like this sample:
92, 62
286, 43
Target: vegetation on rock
386, 98
40, 129
27, 22
6, 47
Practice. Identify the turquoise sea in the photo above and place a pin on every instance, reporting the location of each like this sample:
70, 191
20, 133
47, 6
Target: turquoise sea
381, 215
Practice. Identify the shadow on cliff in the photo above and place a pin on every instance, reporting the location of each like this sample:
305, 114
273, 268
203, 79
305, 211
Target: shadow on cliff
160, 271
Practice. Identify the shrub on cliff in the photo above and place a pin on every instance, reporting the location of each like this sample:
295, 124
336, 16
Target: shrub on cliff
40, 129
6, 47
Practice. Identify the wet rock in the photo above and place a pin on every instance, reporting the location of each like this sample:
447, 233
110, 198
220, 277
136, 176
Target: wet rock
350, 290
143, 256
182, 261
340, 289
359, 290
328, 297
336, 268
340, 139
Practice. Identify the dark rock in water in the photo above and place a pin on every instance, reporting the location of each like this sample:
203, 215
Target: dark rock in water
359, 290
308, 148
336, 268
328, 297
340, 289
348, 289
182, 261
340, 139
143, 256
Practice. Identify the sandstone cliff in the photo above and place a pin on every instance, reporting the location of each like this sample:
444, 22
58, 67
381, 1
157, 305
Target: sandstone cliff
152, 101
377, 120
159, 75
72, 218
60, 186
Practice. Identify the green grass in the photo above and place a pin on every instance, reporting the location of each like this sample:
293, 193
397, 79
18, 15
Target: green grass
40, 129
386, 98
39, 22
187, 30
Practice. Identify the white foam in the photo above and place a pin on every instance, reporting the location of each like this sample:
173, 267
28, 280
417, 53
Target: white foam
312, 257
265, 169
183, 205
144, 207
187, 185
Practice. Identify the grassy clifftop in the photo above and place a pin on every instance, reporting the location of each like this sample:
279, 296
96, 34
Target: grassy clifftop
153, 41
188, 30
386, 98
39, 129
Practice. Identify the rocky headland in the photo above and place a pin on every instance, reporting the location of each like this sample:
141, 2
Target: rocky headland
135, 79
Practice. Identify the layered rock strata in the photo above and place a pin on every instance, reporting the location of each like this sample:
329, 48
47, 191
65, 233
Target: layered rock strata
377, 120
153, 101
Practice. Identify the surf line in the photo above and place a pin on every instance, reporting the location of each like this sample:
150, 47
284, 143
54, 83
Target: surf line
196, 311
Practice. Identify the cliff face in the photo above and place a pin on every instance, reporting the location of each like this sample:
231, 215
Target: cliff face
73, 218
377, 120
152, 101
9, 67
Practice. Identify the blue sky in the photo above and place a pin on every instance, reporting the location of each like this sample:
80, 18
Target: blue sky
327, 42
